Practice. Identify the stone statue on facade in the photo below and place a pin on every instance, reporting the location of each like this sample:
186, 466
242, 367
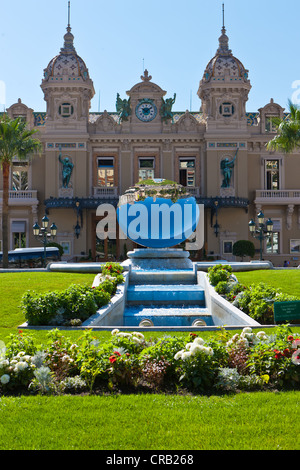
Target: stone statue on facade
227, 168
67, 169
123, 108
166, 108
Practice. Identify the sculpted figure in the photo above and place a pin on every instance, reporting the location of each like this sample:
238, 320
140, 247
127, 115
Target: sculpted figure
227, 167
166, 108
123, 108
67, 168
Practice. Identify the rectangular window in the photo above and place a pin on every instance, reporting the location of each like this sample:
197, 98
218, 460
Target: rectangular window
187, 172
20, 176
295, 246
270, 126
106, 172
227, 247
272, 174
18, 229
146, 168
272, 244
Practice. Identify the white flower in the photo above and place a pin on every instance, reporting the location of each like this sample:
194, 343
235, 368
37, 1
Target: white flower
66, 358
20, 366
199, 340
195, 348
249, 336
138, 334
136, 340
115, 331
20, 354
188, 346
246, 330
4, 363
261, 335
5, 379
124, 335
243, 342
185, 355
235, 338
178, 355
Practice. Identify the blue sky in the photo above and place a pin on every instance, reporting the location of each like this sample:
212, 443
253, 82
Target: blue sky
174, 39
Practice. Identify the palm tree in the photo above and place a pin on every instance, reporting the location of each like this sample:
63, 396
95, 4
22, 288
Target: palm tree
288, 131
15, 141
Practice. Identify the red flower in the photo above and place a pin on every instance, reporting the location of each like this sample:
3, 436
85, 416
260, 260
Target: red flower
290, 338
286, 352
112, 359
277, 354
117, 353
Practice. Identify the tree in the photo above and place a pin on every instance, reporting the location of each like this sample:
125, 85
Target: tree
288, 131
15, 141
243, 248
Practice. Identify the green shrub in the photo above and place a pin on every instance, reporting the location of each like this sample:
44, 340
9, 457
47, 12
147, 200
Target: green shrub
58, 307
219, 273
112, 269
243, 248
257, 300
40, 309
223, 287
73, 305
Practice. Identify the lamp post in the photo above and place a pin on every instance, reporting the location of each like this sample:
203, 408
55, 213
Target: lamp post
262, 231
42, 235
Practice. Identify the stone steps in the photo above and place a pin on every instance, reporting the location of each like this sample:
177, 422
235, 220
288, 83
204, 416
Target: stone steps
165, 294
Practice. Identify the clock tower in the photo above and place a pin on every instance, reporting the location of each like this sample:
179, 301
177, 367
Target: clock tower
146, 100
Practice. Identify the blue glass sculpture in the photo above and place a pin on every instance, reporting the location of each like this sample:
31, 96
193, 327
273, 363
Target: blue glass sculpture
159, 223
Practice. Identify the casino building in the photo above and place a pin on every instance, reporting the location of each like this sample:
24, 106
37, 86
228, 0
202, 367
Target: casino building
219, 154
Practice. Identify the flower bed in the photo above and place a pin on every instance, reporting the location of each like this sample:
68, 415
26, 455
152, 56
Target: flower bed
73, 305
130, 362
257, 300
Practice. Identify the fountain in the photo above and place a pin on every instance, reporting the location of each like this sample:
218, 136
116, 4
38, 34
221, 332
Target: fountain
163, 287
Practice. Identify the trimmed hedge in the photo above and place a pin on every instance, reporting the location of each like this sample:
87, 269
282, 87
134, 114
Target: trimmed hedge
73, 305
257, 300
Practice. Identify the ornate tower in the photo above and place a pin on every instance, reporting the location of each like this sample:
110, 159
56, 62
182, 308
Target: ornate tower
224, 90
68, 90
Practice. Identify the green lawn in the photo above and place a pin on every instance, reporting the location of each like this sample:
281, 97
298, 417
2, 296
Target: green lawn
249, 421
246, 421
287, 280
13, 286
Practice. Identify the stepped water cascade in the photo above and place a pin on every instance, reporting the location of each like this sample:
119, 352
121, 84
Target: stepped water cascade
163, 288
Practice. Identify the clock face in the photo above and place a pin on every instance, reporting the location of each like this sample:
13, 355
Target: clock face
146, 111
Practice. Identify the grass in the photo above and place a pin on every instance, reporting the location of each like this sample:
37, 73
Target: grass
256, 421
246, 421
288, 281
14, 285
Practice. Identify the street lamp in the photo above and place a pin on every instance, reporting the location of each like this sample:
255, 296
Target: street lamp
263, 230
42, 235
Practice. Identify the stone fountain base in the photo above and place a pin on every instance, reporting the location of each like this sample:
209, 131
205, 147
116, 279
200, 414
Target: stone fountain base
159, 258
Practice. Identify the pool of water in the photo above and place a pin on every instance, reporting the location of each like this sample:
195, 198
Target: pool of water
166, 315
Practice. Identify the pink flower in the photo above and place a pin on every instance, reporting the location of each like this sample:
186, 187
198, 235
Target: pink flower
296, 357
296, 344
